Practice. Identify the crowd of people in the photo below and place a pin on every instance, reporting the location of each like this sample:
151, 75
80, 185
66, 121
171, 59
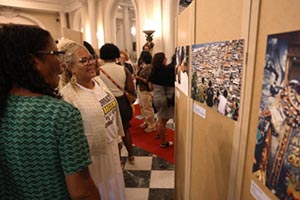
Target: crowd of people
64, 116
206, 93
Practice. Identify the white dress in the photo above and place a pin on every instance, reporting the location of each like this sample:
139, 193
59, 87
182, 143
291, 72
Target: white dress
222, 104
105, 169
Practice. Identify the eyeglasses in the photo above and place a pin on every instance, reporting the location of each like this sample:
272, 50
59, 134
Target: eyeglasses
86, 61
59, 54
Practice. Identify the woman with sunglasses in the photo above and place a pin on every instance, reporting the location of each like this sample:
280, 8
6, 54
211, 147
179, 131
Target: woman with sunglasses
43, 151
101, 118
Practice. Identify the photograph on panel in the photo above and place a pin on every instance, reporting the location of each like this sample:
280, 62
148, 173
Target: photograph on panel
277, 149
183, 4
182, 68
217, 74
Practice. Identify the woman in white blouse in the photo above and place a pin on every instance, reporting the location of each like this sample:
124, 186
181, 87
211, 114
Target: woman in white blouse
101, 118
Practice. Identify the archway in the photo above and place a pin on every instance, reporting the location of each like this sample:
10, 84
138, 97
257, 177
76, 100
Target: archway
10, 15
116, 31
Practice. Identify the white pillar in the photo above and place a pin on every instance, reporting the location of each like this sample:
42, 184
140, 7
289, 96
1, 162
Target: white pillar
127, 31
168, 28
85, 21
63, 22
93, 22
100, 24
120, 40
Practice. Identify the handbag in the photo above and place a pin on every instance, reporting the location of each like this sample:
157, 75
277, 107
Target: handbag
130, 97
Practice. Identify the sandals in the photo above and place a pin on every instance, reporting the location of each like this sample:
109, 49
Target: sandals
167, 144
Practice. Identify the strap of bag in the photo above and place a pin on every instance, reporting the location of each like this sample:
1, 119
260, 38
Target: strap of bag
113, 81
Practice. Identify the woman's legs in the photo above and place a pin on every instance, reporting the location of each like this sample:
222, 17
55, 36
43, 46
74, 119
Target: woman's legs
161, 133
126, 115
147, 110
140, 97
161, 130
128, 144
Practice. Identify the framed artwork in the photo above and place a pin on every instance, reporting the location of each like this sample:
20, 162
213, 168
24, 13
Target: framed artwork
216, 75
277, 150
182, 68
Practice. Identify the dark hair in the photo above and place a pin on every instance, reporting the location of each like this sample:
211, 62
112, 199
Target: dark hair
173, 60
203, 80
158, 60
225, 93
146, 45
109, 51
19, 43
146, 57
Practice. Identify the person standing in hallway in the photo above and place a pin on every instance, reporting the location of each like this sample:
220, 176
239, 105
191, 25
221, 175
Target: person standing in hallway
162, 82
122, 77
144, 92
43, 151
101, 118
123, 61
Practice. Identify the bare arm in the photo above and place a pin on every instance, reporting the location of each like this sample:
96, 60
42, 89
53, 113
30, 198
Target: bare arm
142, 79
81, 186
150, 86
129, 85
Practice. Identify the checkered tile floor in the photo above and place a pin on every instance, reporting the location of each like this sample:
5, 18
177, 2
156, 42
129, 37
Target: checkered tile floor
149, 178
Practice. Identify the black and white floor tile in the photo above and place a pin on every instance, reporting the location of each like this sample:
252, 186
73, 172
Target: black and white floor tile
149, 178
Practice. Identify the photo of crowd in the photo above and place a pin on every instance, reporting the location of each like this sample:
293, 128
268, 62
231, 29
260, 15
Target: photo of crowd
216, 75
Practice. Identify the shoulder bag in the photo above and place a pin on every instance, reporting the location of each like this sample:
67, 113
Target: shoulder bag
131, 97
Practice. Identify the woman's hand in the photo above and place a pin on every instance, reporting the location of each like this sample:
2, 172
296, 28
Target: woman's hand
141, 79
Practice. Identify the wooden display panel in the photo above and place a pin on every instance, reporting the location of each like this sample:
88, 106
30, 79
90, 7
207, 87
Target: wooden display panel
181, 148
212, 137
218, 20
185, 37
185, 26
274, 17
211, 155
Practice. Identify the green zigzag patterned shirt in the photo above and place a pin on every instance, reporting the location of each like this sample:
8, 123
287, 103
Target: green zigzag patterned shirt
41, 141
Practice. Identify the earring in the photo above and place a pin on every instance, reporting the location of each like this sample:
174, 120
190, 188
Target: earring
73, 80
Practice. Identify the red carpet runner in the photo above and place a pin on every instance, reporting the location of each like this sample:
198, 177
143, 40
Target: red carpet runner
147, 141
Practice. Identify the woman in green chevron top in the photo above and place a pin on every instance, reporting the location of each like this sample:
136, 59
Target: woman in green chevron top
43, 151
